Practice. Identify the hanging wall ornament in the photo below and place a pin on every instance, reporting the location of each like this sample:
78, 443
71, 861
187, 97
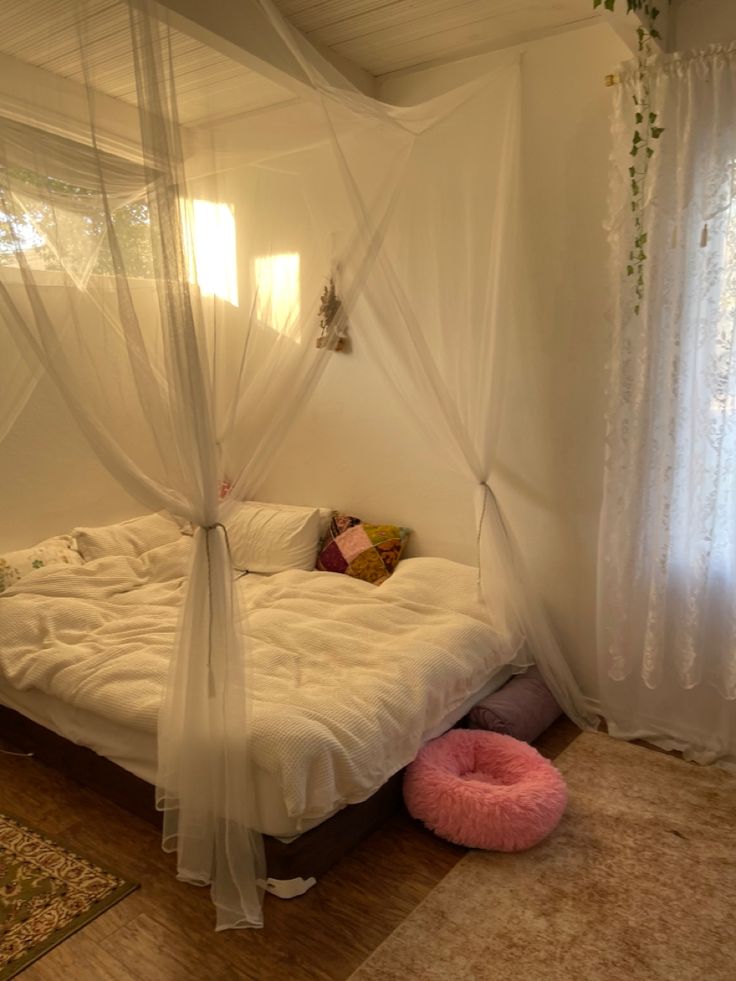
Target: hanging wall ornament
333, 320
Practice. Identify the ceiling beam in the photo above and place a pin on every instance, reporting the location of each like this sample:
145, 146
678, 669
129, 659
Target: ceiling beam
65, 108
249, 40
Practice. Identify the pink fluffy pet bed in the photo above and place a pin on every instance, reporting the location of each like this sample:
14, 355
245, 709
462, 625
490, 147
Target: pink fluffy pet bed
485, 790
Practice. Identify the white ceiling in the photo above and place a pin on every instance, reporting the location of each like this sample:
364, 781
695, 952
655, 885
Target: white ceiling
383, 36
380, 36
208, 84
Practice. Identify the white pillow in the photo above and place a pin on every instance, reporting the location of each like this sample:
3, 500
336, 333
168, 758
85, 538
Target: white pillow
53, 551
267, 538
325, 514
133, 537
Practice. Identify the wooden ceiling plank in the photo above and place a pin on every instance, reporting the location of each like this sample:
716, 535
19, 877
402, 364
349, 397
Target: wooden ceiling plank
306, 9
412, 18
331, 14
471, 17
401, 51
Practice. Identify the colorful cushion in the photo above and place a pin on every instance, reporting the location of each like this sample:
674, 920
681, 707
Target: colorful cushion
365, 551
53, 551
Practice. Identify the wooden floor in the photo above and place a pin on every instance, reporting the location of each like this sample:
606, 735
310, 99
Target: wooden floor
165, 929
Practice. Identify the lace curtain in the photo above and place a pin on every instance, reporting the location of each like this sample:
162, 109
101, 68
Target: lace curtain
667, 582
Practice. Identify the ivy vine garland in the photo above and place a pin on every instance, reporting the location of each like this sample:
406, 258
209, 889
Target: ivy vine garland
646, 133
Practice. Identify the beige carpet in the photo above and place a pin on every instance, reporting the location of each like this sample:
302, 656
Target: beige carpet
638, 883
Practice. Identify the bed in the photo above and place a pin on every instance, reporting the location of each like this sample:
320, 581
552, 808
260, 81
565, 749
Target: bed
349, 679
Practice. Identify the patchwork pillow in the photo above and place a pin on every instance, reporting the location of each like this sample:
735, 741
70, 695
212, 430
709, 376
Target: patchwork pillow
364, 551
268, 538
53, 551
133, 537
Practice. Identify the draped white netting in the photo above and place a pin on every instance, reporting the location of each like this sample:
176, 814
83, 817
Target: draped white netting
438, 309
667, 583
19, 374
165, 235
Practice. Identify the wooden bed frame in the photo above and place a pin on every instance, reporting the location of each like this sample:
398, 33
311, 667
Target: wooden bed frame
308, 856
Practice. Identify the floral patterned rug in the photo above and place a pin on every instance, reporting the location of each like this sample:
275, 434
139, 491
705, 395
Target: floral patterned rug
46, 894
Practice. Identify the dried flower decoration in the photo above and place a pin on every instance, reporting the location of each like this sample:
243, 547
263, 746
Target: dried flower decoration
332, 320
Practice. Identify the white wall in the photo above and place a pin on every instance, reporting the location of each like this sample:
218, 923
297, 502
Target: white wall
698, 23
354, 450
51, 480
554, 427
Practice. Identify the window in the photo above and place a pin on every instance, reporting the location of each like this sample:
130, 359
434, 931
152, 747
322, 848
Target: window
50, 216
14, 233
59, 224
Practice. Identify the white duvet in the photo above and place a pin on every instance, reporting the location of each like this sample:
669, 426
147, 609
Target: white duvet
347, 676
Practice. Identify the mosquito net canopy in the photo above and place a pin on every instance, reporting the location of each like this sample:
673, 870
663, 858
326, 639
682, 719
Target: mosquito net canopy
171, 210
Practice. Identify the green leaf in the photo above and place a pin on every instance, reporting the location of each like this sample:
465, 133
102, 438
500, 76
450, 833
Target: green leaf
650, 152
634, 151
632, 171
637, 137
639, 117
609, 4
636, 309
652, 118
629, 270
657, 132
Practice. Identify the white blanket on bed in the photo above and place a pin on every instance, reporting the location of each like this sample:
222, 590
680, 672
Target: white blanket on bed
347, 676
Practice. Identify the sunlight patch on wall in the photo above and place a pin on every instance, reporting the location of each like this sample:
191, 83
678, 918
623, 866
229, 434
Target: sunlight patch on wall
278, 293
213, 252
